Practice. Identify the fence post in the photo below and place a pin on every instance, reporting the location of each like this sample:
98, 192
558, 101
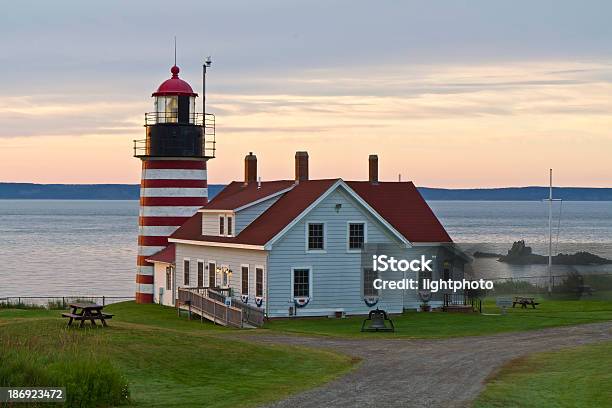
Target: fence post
63, 302
103, 300
553, 281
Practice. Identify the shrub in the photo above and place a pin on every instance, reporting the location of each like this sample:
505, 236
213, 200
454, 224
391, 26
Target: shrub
90, 381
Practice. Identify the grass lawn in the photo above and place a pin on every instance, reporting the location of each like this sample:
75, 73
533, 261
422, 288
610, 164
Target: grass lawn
167, 362
573, 378
549, 313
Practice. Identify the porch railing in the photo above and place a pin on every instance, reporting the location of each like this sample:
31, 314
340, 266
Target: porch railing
208, 308
250, 314
461, 299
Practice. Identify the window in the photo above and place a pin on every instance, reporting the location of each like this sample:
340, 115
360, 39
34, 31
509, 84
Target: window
200, 274
446, 270
226, 225
168, 278
166, 108
369, 276
245, 280
422, 276
221, 225
212, 272
316, 236
224, 275
259, 282
186, 272
301, 282
356, 235
229, 226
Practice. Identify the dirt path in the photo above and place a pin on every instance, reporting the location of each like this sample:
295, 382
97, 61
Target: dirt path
426, 373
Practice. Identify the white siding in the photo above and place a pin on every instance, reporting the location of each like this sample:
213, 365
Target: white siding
337, 273
232, 257
210, 222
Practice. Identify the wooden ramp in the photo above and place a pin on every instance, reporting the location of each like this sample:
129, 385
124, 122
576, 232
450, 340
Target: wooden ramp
209, 305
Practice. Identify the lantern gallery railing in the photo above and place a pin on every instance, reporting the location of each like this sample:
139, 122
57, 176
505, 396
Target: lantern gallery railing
198, 119
165, 143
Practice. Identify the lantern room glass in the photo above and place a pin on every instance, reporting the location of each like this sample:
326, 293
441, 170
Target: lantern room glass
166, 109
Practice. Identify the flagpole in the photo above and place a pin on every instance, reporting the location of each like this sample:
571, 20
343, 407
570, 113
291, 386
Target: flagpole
550, 200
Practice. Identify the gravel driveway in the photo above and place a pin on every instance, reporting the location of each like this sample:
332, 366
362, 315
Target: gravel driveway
426, 373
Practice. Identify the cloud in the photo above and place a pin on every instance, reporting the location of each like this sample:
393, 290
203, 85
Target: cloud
327, 101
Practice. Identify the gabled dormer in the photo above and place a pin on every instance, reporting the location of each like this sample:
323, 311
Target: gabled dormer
240, 203
219, 223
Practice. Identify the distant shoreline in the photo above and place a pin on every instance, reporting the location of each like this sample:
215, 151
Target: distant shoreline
32, 191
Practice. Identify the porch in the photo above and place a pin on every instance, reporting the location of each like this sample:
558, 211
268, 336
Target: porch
461, 303
216, 305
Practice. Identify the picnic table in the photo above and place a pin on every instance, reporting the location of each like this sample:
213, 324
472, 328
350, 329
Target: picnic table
87, 311
524, 302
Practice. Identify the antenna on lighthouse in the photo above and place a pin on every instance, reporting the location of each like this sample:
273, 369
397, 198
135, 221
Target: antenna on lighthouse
175, 50
207, 64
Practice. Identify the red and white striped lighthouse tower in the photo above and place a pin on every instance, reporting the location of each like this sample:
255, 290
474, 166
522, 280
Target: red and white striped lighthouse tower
173, 186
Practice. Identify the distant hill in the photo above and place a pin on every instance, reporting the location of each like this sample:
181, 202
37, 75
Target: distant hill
518, 193
130, 192
78, 191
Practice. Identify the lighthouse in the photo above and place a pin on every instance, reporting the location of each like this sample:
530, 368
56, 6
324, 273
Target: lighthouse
179, 142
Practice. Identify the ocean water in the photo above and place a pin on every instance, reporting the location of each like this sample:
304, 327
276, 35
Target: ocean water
72, 247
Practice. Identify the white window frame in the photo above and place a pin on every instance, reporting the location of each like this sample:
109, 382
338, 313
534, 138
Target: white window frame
229, 224
248, 280
188, 283
222, 218
363, 281
263, 281
310, 280
198, 262
168, 281
348, 235
226, 217
307, 227
211, 261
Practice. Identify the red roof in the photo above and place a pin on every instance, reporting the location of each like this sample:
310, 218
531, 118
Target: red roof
400, 204
268, 224
166, 255
174, 86
236, 194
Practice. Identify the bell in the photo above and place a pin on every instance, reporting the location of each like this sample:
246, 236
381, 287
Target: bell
377, 322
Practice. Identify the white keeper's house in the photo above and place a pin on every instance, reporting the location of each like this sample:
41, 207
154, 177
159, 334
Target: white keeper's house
294, 247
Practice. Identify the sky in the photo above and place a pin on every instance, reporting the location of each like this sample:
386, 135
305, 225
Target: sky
449, 93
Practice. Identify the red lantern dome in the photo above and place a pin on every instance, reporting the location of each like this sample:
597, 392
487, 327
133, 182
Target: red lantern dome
174, 86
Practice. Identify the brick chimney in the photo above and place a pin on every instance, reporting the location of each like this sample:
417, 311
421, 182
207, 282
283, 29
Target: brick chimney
373, 168
301, 166
250, 169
